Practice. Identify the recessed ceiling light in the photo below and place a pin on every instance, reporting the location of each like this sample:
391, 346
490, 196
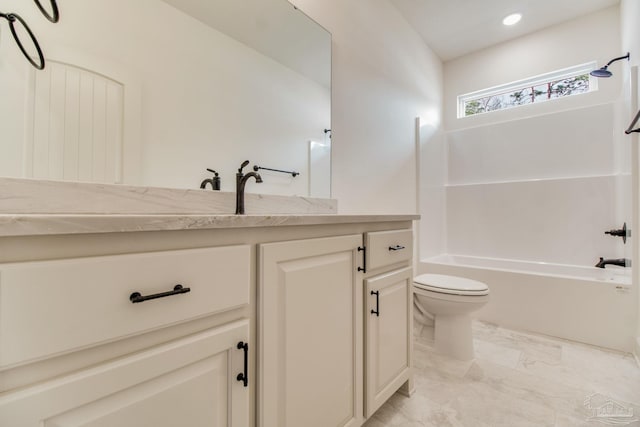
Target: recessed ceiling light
512, 19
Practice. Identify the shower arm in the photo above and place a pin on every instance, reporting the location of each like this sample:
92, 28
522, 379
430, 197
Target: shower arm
618, 59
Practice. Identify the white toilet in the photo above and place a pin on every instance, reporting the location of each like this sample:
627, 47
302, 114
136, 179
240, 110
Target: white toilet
451, 300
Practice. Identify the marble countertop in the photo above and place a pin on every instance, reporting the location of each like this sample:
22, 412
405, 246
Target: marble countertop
31, 207
49, 224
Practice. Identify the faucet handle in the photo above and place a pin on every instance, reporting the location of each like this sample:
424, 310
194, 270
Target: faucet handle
243, 165
212, 171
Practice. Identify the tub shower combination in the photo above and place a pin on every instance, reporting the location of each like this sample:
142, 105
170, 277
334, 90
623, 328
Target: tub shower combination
586, 304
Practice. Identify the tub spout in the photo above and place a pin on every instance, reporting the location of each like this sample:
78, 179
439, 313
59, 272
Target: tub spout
622, 262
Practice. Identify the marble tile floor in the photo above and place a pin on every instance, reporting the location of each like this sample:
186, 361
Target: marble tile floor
517, 379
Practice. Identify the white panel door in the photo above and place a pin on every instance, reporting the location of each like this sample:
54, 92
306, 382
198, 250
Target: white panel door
76, 125
310, 333
190, 382
388, 319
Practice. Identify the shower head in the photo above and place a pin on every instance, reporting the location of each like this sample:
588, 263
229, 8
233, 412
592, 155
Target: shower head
604, 72
601, 72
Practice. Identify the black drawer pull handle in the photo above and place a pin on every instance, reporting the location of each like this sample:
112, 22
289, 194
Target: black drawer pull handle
396, 248
137, 297
377, 310
244, 376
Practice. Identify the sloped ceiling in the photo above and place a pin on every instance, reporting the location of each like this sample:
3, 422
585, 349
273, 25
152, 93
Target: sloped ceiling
453, 28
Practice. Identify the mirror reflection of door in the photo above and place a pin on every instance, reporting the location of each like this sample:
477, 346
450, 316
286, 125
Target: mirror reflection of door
75, 126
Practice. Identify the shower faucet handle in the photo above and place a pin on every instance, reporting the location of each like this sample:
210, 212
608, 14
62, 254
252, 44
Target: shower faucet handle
622, 232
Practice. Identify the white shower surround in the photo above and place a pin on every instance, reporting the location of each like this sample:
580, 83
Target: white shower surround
559, 220
585, 304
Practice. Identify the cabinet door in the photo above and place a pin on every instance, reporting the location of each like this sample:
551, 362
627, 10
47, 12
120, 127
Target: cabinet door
387, 335
310, 333
189, 382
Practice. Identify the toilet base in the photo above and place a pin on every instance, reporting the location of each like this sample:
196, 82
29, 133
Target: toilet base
453, 337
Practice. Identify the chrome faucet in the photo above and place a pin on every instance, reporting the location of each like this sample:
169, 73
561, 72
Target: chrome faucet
622, 262
241, 182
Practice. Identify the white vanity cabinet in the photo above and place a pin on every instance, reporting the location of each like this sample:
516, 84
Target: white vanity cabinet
76, 349
388, 315
315, 311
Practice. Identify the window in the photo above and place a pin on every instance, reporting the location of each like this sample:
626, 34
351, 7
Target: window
558, 84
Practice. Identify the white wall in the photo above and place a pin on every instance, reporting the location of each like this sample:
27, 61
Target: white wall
630, 16
384, 76
588, 38
433, 192
537, 182
207, 101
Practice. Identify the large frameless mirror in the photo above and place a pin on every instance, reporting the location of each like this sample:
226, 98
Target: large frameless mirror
154, 93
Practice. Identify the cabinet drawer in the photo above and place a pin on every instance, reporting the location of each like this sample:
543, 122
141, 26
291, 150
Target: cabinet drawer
388, 247
51, 307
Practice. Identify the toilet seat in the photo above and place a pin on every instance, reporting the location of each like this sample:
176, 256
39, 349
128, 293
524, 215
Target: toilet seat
451, 285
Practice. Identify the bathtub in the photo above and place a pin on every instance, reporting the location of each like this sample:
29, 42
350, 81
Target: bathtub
585, 304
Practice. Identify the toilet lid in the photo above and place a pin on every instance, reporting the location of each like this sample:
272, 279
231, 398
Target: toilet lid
450, 284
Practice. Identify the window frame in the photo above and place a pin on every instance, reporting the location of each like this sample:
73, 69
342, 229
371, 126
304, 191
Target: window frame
577, 70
